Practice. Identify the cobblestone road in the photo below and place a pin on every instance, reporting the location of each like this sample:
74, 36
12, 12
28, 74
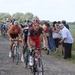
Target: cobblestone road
52, 66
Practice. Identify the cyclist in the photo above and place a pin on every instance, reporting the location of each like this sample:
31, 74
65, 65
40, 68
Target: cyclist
14, 32
34, 37
3, 28
24, 40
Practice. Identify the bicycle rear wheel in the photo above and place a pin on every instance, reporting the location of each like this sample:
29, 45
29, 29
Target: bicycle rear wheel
26, 57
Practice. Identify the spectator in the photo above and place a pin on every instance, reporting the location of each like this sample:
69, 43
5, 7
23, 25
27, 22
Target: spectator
67, 41
45, 27
51, 42
56, 35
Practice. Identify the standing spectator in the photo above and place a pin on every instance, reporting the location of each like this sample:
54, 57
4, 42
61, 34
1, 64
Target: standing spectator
46, 28
51, 42
67, 41
56, 35
67, 26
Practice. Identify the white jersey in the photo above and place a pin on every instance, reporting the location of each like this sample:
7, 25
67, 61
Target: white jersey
8, 24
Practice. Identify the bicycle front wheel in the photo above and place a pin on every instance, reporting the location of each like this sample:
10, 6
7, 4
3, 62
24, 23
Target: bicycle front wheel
40, 69
17, 57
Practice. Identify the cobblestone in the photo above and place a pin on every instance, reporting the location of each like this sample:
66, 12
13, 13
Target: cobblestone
52, 66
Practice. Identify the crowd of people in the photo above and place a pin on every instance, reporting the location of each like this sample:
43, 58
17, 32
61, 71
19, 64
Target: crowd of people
59, 34
53, 35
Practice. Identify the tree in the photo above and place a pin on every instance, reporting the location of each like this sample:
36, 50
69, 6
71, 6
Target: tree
18, 16
28, 16
3, 16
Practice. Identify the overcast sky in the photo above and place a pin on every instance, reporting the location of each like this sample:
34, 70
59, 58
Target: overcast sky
45, 9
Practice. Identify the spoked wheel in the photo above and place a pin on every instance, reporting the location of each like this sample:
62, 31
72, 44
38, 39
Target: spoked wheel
40, 69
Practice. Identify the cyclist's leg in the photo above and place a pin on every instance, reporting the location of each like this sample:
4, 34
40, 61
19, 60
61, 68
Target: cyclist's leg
38, 45
33, 45
24, 42
11, 44
17, 38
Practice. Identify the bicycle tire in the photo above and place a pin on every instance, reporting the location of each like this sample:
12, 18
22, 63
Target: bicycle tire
3, 33
26, 61
40, 65
34, 67
13, 55
17, 56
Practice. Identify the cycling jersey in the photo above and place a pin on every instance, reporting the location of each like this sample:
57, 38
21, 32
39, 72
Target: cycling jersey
14, 30
25, 31
25, 34
8, 24
35, 35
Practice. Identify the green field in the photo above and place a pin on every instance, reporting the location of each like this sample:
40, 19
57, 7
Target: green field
59, 53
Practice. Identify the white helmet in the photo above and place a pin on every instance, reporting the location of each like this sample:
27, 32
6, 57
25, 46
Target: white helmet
16, 23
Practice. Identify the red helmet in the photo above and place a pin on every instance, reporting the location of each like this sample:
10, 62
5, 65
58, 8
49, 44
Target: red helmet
35, 22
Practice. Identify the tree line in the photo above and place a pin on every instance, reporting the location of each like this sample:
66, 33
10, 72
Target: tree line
21, 17
17, 16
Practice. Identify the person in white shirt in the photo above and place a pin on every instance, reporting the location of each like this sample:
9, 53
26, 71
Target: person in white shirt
67, 41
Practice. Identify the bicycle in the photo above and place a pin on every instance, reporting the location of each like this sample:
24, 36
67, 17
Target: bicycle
15, 52
37, 67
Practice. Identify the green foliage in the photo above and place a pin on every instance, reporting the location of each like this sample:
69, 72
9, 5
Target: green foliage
18, 16
3, 16
28, 16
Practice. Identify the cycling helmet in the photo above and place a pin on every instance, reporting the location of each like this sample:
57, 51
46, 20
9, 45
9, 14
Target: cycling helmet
36, 22
16, 23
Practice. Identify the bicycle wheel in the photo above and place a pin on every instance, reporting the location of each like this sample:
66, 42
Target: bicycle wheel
13, 55
34, 67
26, 61
3, 33
17, 56
40, 69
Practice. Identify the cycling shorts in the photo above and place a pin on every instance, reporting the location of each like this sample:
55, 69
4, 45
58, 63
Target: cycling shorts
13, 35
37, 42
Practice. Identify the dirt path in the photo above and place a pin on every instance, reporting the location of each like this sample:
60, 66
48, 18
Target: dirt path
52, 66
